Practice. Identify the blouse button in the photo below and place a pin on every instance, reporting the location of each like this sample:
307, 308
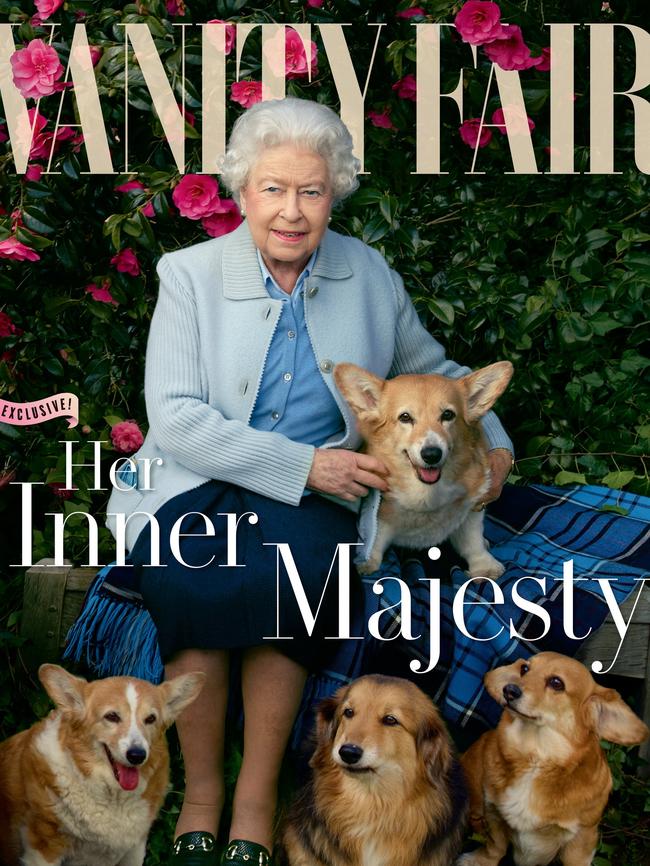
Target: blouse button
312, 292
326, 365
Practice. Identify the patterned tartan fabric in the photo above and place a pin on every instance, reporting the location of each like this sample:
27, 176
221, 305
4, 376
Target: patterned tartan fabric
534, 531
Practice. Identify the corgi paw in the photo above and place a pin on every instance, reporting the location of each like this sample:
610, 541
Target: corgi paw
486, 567
370, 566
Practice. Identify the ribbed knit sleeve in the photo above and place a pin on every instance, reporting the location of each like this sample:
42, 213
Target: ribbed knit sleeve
416, 351
193, 432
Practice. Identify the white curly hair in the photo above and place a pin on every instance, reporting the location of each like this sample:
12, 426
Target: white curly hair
301, 122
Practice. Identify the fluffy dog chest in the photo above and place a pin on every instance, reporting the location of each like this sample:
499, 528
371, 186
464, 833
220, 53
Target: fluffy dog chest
104, 823
421, 515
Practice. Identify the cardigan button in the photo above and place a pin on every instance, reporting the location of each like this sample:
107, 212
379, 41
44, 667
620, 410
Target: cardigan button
327, 365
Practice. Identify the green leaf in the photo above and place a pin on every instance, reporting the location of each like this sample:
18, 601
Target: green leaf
37, 220
618, 480
442, 310
565, 477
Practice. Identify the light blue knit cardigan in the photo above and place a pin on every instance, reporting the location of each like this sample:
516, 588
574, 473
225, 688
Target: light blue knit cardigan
210, 333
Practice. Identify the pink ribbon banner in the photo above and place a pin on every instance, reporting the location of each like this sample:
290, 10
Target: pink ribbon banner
56, 406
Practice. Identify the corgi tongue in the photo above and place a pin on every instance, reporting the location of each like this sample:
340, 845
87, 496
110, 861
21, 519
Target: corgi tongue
127, 776
428, 476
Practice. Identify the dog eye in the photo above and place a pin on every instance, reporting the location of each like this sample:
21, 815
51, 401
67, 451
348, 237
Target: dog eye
448, 415
555, 683
150, 719
348, 712
112, 717
523, 670
389, 720
405, 418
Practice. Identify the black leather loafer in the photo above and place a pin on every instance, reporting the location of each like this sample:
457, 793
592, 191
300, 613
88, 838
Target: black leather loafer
195, 849
240, 852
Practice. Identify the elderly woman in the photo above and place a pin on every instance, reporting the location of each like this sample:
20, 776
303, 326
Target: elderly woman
245, 415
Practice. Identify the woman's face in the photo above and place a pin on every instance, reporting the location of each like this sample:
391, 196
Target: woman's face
287, 201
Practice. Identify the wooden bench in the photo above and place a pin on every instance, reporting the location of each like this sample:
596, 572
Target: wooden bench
54, 595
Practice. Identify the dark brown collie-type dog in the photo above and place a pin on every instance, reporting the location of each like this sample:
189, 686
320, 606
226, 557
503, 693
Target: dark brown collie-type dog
386, 788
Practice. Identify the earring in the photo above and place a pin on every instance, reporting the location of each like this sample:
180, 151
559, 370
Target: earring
329, 219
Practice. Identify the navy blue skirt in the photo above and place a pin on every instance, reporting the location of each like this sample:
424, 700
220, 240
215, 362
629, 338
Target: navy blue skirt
221, 606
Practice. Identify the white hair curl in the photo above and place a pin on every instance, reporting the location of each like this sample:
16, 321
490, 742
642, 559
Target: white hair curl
307, 125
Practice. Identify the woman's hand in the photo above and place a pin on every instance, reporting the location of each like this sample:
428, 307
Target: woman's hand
346, 474
500, 460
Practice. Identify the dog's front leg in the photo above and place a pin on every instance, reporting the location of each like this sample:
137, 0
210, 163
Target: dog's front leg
469, 542
382, 540
496, 844
31, 857
581, 849
37, 852
135, 856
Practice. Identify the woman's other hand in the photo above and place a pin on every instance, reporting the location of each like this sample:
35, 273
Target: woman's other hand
500, 460
346, 474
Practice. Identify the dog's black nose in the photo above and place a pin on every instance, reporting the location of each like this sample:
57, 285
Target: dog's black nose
430, 455
350, 753
136, 755
511, 692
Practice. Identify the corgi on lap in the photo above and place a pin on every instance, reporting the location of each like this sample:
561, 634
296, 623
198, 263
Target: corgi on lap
426, 430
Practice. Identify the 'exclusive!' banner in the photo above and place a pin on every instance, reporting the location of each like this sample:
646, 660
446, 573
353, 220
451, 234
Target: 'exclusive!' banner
56, 406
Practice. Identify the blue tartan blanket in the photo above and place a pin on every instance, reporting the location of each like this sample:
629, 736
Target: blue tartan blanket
535, 531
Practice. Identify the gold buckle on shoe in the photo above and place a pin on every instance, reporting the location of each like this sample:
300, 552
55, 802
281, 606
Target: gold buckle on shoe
204, 842
263, 859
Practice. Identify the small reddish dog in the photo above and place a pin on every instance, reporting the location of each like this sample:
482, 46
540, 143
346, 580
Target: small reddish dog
426, 431
83, 786
387, 789
541, 779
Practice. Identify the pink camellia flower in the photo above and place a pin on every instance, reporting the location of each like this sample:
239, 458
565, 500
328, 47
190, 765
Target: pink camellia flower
148, 211
246, 93
315, 4
412, 12
406, 87
36, 69
96, 52
231, 32
130, 186
33, 172
510, 51
59, 489
544, 60
126, 437
47, 7
295, 61
224, 220
12, 248
478, 22
126, 262
380, 119
469, 132
101, 293
4, 135
175, 7
7, 327
518, 126
196, 196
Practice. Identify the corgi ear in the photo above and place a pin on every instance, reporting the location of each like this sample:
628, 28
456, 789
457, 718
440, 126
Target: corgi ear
433, 746
65, 690
361, 389
613, 720
179, 693
484, 387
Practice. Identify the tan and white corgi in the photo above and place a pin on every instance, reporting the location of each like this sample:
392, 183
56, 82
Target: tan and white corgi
83, 786
426, 430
